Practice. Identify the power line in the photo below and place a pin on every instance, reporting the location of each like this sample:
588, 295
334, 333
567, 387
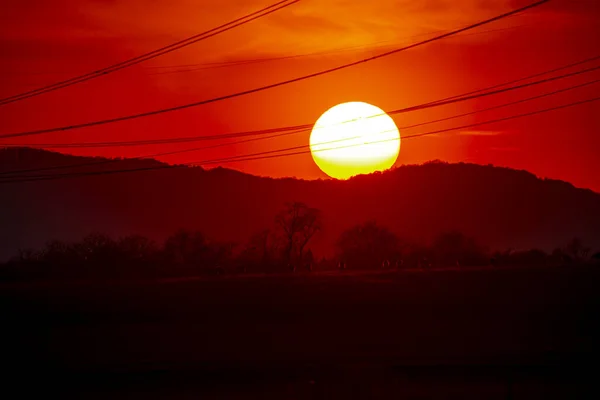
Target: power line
288, 131
269, 155
147, 156
497, 91
274, 85
234, 63
173, 140
446, 101
520, 101
371, 46
585, 61
153, 54
512, 103
476, 124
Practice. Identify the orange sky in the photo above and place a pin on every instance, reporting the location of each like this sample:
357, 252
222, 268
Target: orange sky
43, 41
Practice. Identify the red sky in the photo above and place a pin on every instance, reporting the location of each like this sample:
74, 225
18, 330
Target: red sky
43, 41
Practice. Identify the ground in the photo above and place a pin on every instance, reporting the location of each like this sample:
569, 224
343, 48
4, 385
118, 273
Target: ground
481, 333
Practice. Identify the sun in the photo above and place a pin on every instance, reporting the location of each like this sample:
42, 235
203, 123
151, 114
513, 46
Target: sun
354, 138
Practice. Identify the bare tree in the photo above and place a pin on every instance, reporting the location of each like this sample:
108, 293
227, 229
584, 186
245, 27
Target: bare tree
260, 243
585, 252
137, 248
575, 248
456, 249
299, 224
368, 246
184, 247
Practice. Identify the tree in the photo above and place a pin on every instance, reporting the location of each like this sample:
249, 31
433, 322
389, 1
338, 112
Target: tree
260, 245
259, 253
188, 248
299, 224
58, 253
575, 248
585, 252
528, 258
416, 255
456, 249
26, 256
136, 248
219, 255
367, 246
560, 257
97, 248
193, 252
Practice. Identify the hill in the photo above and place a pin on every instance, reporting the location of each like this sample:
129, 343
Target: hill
500, 207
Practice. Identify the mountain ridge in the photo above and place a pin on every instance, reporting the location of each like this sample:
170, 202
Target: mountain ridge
499, 206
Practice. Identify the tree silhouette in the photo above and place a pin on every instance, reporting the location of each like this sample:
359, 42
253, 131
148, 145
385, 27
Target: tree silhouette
307, 261
528, 258
260, 243
299, 224
58, 252
56, 259
585, 252
187, 248
218, 257
367, 246
97, 248
576, 249
137, 248
560, 256
27, 256
259, 253
456, 249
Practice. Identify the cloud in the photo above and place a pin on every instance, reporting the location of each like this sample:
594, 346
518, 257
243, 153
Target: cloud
63, 30
306, 26
321, 25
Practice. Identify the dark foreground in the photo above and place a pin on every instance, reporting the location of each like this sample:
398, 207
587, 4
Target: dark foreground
481, 334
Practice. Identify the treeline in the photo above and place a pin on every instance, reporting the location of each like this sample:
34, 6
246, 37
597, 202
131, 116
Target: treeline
283, 248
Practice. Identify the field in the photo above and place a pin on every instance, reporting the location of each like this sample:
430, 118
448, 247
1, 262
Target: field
482, 333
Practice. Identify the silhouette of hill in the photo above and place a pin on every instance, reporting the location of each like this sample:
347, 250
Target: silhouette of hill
500, 207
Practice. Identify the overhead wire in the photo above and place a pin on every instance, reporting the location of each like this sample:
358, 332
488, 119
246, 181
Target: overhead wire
277, 84
485, 92
150, 55
269, 154
584, 61
240, 62
243, 62
511, 103
146, 156
466, 126
284, 131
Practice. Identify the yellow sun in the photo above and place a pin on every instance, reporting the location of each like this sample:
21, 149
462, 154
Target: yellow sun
354, 138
